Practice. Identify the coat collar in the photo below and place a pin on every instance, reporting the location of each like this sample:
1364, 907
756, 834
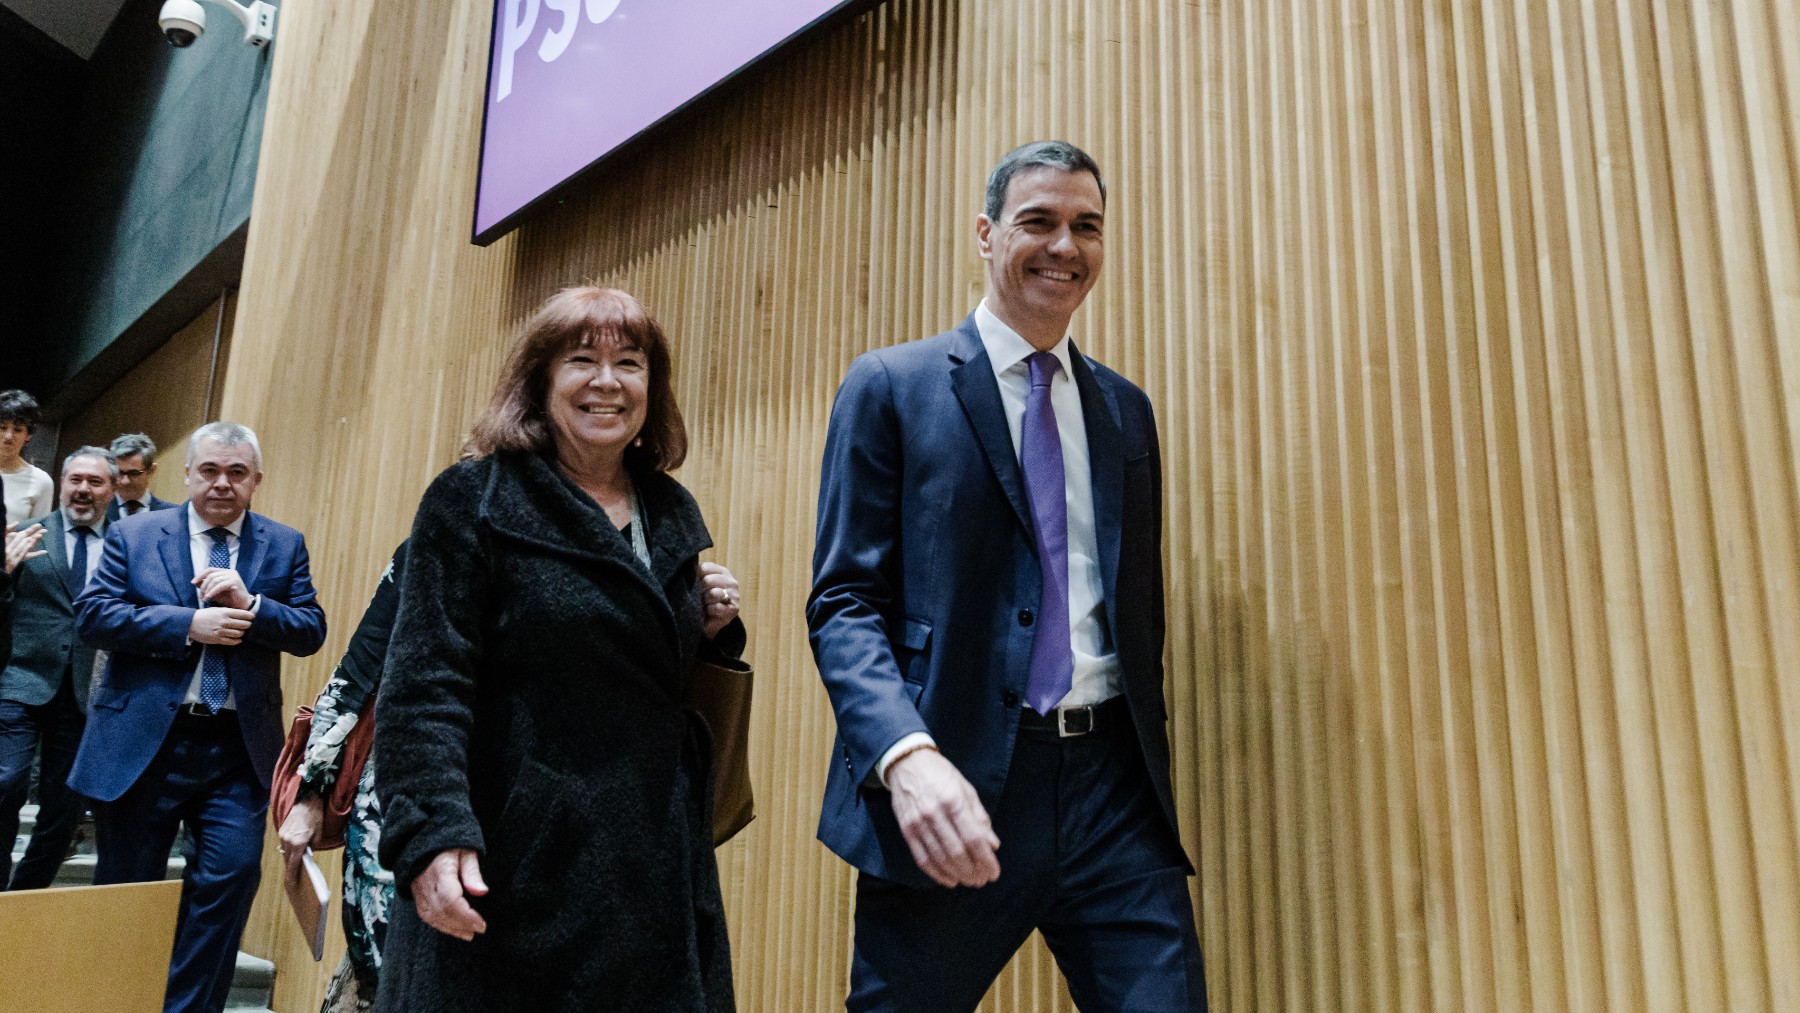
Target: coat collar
972, 378
529, 500
58, 559
1106, 465
252, 549
177, 549
178, 559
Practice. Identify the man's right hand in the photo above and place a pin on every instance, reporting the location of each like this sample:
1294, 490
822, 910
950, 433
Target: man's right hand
943, 820
218, 625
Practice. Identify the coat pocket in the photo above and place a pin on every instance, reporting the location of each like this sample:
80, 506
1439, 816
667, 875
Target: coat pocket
529, 813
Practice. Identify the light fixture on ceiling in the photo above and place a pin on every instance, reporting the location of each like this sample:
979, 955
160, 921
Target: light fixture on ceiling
183, 21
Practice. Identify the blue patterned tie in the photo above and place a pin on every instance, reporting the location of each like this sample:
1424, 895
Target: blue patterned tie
1040, 456
214, 686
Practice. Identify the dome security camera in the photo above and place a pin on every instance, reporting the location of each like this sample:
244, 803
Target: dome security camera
182, 21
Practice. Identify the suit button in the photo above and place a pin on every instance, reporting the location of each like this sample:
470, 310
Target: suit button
1009, 698
1025, 617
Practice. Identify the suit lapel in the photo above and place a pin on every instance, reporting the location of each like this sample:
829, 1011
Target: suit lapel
252, 549
973, 381
178, 558
1106, 463
54, 541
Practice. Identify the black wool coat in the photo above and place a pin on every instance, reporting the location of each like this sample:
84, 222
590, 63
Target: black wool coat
531, 710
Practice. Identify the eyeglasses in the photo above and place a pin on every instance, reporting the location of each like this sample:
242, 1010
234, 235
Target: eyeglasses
134, 473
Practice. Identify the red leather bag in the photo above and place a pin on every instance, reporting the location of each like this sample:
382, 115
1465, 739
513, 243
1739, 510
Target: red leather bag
340, 800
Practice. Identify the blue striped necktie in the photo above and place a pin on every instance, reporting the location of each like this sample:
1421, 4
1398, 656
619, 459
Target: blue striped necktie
214, 686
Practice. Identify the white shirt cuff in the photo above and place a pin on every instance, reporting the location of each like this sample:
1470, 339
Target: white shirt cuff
907, 744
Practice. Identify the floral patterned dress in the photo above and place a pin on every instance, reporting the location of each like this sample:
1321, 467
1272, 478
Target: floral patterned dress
368, 888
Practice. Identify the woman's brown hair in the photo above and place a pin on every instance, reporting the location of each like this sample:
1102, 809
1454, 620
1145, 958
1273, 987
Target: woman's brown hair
515, 417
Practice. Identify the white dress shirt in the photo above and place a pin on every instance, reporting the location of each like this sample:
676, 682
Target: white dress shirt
200, 548
95, 542
1096, 676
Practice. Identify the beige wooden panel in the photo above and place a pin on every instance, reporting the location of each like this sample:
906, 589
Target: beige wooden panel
166, 396
87, 948
1474, 334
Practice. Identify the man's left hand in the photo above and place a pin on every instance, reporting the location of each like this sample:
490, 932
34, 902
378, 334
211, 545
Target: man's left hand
223, 586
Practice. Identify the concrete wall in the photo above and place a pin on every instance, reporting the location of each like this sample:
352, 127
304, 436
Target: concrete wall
157, 200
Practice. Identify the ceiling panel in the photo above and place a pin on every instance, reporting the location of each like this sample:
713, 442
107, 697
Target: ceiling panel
77, 24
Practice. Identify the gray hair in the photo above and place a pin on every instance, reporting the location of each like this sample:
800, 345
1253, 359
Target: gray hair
1051, 154
112, 463
225, 434
135, 445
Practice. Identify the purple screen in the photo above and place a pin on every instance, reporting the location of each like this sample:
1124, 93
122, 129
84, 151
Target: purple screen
571, 80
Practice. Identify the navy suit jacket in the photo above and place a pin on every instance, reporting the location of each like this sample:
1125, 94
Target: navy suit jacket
113, 512
926, 580
44, 644
139, 605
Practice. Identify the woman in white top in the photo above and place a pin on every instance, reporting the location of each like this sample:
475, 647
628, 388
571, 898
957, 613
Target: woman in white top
29, 491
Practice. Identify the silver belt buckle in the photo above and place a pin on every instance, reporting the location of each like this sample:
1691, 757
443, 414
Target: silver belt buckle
1082, 726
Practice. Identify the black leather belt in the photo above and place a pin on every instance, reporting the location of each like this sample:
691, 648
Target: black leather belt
1069, 722
198, 712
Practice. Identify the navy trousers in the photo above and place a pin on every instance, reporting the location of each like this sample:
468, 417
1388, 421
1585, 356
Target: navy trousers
1085, 858
55, 727
201, 777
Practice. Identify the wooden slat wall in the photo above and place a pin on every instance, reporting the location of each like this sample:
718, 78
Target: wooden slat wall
1474, 330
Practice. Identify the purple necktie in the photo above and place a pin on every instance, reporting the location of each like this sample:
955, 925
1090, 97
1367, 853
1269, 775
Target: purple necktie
1040, 456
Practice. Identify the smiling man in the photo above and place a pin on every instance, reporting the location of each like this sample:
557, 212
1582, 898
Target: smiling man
197, 605
987, 616
44, 688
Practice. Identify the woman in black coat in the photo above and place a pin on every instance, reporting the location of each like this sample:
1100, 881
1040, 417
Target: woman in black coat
545, 791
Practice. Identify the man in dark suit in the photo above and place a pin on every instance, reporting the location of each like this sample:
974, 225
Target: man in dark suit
987, 615
197, 606
136, 454
44, 688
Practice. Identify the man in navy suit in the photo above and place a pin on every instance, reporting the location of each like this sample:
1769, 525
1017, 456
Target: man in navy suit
136, 454
44, 687
987, 615
197, 606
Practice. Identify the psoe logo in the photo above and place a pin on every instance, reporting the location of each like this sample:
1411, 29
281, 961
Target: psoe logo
518, 20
